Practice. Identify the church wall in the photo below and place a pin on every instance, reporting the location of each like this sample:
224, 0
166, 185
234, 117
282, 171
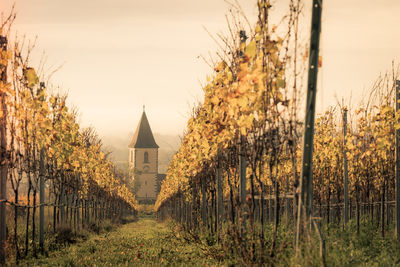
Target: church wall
147, 187
148, 171
152, 159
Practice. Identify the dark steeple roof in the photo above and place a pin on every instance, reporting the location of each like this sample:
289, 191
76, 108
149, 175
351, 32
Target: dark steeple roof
143, 137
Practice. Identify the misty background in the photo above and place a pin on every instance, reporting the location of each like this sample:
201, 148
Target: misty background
118, 146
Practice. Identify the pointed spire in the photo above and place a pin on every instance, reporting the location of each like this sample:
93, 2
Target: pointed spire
143, 137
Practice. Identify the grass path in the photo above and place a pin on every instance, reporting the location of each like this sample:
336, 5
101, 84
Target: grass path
142, 243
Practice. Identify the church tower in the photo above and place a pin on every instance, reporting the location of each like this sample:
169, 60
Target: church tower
143, 161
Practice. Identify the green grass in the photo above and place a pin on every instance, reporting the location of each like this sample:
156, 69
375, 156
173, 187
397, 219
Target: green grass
369, 248
141, 243
147, 242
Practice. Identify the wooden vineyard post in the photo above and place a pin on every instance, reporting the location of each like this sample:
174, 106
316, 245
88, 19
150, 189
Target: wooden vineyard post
242, 163
173, 209
183, 214
203, 203
87, 212
345, 171
41, 199
188, 215
397, 183
62, 202
306, 182
3, 159
78, 203
286, 195
220, 198
358, 204
82, 210
183, 209
193, 208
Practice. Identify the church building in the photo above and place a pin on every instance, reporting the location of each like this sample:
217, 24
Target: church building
143, 162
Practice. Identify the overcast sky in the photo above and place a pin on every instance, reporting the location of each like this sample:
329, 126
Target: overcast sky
122, 54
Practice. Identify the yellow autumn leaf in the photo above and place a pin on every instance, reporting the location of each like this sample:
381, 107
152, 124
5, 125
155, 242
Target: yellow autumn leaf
215, 100
281, 83
243, 88
251, 49
31, 77
242, 102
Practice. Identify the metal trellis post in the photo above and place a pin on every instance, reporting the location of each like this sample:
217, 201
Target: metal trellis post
397, 164
3, 158
41, 198
345, 172
306, 182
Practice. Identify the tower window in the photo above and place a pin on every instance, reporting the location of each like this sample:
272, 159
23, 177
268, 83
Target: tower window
146, 157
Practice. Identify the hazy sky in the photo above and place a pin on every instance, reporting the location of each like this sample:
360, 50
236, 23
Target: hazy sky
122, 54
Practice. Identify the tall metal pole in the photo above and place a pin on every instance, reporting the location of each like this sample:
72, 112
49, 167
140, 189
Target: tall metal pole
397, 165
345, 172
3, 156
242, 151
306, 181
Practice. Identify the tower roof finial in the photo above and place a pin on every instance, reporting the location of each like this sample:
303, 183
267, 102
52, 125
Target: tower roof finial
143, 108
